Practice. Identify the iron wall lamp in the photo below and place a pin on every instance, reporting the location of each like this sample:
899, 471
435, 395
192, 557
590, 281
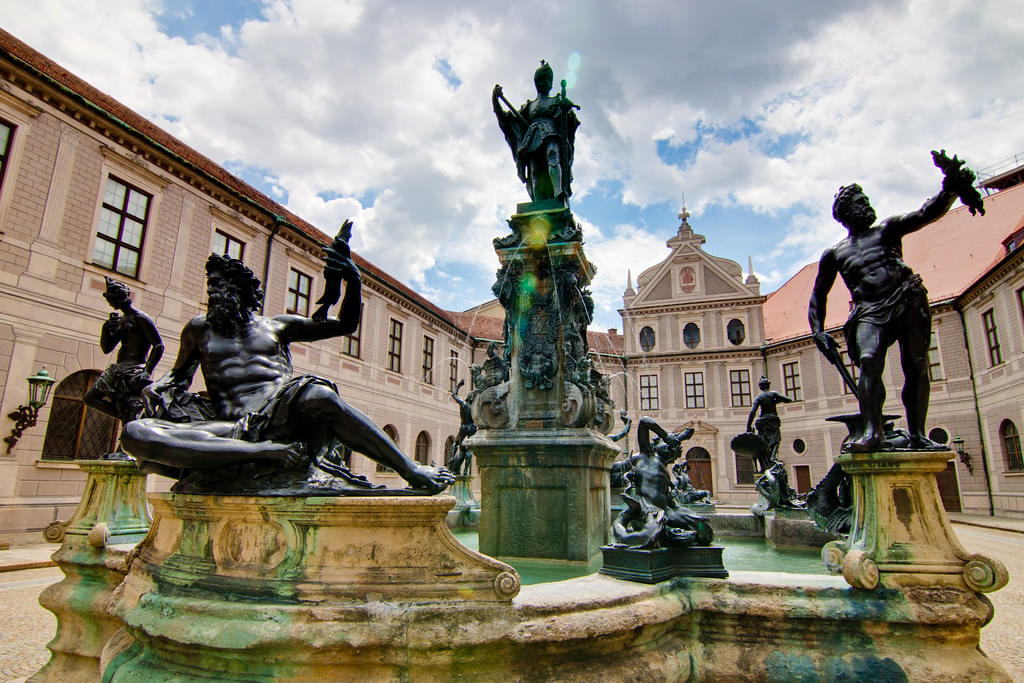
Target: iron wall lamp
39, 386
965, 457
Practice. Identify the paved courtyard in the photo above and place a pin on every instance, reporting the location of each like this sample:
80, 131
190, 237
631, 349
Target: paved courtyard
25, 627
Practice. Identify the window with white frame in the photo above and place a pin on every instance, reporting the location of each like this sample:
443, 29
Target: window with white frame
299, 285
934, 360
693, 383
649, 392
6, 138
791, 380
122, 228
428, 359
739, 388
226, 245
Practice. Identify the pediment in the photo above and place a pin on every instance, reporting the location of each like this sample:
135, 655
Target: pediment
700, 427
690, 274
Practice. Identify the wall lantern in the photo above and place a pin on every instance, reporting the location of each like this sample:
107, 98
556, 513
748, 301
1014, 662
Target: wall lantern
39, 386
965, 457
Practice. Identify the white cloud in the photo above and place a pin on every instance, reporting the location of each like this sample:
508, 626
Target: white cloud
342, 99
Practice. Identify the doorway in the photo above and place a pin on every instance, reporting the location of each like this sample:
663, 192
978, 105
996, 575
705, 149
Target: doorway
699, 469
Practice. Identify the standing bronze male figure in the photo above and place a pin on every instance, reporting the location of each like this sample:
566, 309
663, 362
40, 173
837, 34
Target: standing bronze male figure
890, 302
542, 135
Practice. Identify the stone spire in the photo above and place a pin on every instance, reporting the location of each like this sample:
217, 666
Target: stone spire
751, 278
630, 292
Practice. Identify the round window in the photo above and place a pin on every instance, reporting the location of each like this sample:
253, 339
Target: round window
735, 331
646, 339
691, 335
939, 435
799, 446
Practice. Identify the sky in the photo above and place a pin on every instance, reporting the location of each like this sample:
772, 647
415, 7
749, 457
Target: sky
752, 113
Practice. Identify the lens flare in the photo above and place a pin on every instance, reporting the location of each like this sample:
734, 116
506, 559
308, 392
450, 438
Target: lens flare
570, 80
574, 61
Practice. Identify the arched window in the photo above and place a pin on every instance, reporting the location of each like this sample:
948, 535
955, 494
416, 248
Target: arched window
448, 443
691, 335
422, 448
392, 433
74, 431
735, 331
1011, 445
646, 339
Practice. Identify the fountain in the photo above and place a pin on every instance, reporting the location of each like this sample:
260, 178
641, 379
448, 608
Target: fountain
282, 565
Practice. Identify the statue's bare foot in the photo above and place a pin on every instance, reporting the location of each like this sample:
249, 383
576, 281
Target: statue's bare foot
865, 444
920, 442
430, 479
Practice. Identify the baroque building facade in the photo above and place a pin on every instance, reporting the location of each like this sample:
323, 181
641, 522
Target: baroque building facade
698, 335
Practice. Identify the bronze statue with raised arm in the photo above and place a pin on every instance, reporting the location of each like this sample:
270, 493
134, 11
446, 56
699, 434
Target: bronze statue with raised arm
118, 391
260, 430
890, 301
542, 136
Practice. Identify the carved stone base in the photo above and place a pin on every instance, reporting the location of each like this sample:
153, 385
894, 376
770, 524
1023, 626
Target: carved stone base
660, 564
111, 518
901, 535
246, 587
544, 493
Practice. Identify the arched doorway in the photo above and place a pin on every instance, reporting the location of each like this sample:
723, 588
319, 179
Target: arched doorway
699, 469
422, 448
392, 433
75, 431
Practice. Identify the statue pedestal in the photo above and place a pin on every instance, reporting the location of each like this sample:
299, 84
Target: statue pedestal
286, 588
661, 564
110, 519
901, 536
545, 492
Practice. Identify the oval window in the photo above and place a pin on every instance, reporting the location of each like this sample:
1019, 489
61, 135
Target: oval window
691, 335
799, 446
939, 435
735, 331
646, 339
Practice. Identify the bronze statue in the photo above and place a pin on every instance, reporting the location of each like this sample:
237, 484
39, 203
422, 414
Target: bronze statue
118, 391
652, 517
460, 460
261, 430
776, 493
768, 425
890, 301
683, 490
542, 135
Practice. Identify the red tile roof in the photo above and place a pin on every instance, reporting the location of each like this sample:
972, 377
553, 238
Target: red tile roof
950, 254
24, 56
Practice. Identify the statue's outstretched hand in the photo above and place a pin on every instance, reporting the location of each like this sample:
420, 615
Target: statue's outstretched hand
430, 479
827, 344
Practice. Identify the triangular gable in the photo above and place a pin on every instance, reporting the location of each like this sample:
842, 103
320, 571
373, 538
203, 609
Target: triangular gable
658, 283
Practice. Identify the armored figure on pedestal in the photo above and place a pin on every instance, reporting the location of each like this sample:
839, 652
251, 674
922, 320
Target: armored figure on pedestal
542, 135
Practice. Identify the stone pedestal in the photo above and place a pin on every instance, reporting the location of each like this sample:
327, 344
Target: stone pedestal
661, 564
282, 588
901, 535
545, 492
794, 527
110, 519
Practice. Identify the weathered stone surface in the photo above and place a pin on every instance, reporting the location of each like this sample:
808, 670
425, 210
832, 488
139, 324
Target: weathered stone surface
545, 492
111, 517
901, 535
784, 527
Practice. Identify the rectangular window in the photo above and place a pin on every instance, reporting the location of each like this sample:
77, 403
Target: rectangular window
995, 356
428, 360
791, 380
934, 360
6, 137
121, 229
350, 343
852, 368
739, 388
649, 392
694, 385
744, 470
395, 346
226, 245
1020, 293
298, 292
453, 372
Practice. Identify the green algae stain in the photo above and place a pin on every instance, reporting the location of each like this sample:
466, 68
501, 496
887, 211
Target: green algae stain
865, 668
791, 668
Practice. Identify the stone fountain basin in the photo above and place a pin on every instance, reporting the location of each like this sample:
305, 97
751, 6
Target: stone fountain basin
195, 607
